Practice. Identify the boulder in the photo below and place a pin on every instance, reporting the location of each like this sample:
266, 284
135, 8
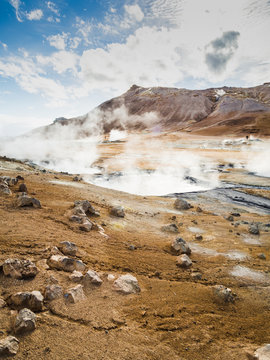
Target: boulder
9, 346
180, 246
30, 300
92, 277
263, 353
53, 292
173, 228
117, 211
76, 276
223, 294
75, 294
25, 321
127, 284
181, 204
19, 269
65, 263
184, 261
25, 200
68, 248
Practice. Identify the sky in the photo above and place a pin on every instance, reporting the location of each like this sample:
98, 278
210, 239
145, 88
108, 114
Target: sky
64, 57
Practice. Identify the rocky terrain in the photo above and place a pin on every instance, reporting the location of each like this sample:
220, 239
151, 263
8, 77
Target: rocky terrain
93, 273
226, 110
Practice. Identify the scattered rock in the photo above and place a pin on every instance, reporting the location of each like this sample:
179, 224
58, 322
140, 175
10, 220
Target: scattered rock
92, 277
127, 284
111, 277
25, 200
170, 228
262, 256
31, 300
181, 204
25, 321
132, 247
183, 261
65, 263
196, 276
236, 214
23, 188
254, 229
223, 294
75, 294
198, 209
230, 218
85, 206
76, 218
180, 246
4, 189
117, 211
9, 346
198, 237
77, 178
86, 225
19, 269
76, 276
2, 303
53, 292
68, 248
263, 353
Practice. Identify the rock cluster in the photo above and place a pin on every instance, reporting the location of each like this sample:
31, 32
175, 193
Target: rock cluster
19, 269
81, 209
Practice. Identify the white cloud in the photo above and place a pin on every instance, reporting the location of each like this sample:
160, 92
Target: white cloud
58, 41
134, 11
112, 10
84, 29
16, 4
34, 14
4, 45
53, 8
61, 61
75, 42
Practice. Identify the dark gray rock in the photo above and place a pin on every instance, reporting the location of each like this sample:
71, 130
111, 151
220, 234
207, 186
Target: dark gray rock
68, 248
117, 211
23, 188
181, 204
65, 263
254, 229
53, 292
30, 300
9, 346
173, 228
92, 277
183, 261
223, 294
25, 321
180, 246
25, 200
19, 269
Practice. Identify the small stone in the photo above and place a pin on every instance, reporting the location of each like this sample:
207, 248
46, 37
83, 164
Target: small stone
198, 237
262, 256
117, 211
236, 214
25, 321
9, 346
127, 284
2, 303
77, 178
170, 228
31, 300
92, 277
23, 188
19, 269
76, 276
180, 246
230, 218
111, 277
196, 276
25, 200
254, 229
263, 353
68, 248
223, 294
131, 247
75, 294
53, 292
198, 209
184, 261
181, 204
65, 263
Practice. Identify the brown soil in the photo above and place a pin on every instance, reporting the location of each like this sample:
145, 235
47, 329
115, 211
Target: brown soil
174, 316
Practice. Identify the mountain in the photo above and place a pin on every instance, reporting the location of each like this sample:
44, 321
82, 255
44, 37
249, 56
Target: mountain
215, 111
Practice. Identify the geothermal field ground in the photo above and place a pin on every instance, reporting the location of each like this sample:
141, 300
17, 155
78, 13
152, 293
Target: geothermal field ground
110, 281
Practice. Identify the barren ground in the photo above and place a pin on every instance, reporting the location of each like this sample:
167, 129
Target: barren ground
174, 316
